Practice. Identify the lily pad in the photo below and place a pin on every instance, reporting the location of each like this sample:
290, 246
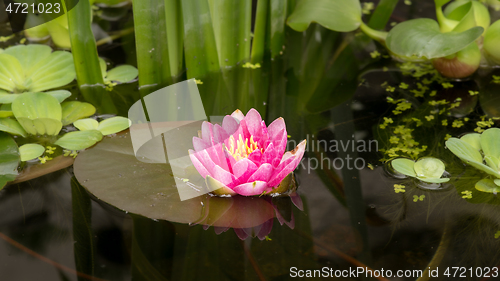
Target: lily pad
79, 140
422, 38
342, 16
38, 113
74, 110
9, 159
112, 173
31, 151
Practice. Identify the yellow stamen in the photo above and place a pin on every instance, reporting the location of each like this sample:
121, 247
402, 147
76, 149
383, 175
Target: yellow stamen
243, 149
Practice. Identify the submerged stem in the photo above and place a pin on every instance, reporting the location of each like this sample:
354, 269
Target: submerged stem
376, 35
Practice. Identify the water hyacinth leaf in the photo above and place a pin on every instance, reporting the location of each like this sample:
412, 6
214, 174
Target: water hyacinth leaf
30, 151
113, 125
79, 140
492, 41
468, 14
429, 167
74, 110
60, 95
422, 38
487, 185
342, 16
6, 111
86, 124
11, 126
490, 142
54, 71
404, 166
469, 155
29, 55
473, 139
11, 73
122, 74
9, 159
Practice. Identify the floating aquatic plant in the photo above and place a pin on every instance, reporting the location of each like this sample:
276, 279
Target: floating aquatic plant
244, 156
34, 68
482, 151
119, 74
427, 169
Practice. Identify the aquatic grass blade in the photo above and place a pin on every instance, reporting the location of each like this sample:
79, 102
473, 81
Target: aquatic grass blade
382, 14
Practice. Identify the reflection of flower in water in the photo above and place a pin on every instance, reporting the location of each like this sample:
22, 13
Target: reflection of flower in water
250, 216
244, 156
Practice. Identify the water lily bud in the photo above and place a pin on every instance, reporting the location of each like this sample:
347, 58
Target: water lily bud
491, 43
461, 64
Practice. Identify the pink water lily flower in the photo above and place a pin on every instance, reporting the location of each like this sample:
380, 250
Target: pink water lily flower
244, 156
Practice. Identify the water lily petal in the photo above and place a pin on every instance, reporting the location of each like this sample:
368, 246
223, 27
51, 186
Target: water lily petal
291, 163
243, 169
230, 124
241, 233
255, 157
198, 165
200, 144
269, 154
224, 177
265, 229
206, 131
220, 135
238, 115
214, 151
280, 141
263, 173
250, 188
297, 201
218, 229
253, 121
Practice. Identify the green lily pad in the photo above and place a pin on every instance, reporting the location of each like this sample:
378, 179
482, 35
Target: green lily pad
490, 142
30, 151
38, 113
429, 167
487, 185
122, 74
469, 155
9, 159
113, 125
474, 139
74, 110
422, 38
79, 140
11, 126
342, 16
86, 124
404, 166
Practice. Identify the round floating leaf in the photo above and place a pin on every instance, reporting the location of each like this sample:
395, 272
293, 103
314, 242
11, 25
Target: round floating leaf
490, 142
11, 72
474, 139
469, 155
29, 55
429, 167
54, 71
113, 125
113, 174
404, 166
74, 110
79, 140
31, 151
60, 95
342, 16
9, 159
86, 124
38, 113
422, 38
11, 126
122, 74
487, 185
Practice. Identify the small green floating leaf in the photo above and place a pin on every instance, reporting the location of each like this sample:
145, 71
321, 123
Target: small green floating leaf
86, 124
469, 155
60, 95
11, 126
31, 151
38, 113
79, 140
404, 166
429, 167
422, 38
113, 125
122, 74
74, 110
342, 16
488, 185
9, 159
490, 142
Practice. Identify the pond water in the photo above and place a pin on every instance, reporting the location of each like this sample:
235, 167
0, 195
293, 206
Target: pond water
111, 216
